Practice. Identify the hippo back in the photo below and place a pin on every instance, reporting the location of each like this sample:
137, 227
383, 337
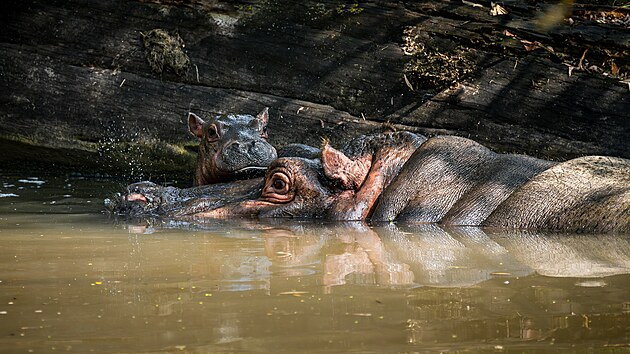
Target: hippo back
587, 194
455, 181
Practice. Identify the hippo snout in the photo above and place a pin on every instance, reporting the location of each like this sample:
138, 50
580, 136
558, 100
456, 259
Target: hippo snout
240, 154
142, 198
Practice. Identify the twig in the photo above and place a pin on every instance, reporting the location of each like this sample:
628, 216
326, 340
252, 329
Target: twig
407, 82
582, 59
470, 3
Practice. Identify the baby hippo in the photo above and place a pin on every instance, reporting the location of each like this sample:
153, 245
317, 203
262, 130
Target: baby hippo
231, 147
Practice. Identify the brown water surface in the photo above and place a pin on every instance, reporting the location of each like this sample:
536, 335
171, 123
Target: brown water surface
73, 279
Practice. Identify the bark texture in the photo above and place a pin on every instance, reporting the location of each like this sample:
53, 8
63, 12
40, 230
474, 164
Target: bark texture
81, 86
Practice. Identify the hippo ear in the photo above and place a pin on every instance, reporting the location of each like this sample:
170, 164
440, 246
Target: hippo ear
263, 116
348, 173
195, 125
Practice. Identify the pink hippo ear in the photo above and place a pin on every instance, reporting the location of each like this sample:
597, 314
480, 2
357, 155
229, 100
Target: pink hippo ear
263, 116
349, 173
195, 125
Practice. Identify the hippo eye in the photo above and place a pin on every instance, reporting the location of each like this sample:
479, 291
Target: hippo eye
264, 133
213, 133
278, 188
279, 184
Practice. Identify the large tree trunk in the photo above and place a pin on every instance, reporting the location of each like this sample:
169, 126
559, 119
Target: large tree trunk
79, 91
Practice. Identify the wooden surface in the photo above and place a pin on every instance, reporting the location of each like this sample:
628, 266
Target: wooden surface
77, 90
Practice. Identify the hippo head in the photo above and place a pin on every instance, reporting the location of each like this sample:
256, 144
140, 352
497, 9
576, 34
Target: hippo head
293, 187
231, 147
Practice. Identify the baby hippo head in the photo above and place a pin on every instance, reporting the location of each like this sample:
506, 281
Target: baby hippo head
231, 147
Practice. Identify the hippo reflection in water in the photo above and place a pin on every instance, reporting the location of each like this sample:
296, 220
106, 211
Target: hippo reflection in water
400, 254
405, 177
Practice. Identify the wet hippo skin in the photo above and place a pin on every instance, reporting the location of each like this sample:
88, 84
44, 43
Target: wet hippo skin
455, 181
341, 185
149, 199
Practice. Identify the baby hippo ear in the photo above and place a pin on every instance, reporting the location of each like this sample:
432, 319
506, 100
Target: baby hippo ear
349, 173
195, 125
263, 116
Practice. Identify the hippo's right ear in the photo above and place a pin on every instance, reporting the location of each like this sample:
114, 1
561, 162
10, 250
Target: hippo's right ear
349, 174
195, 125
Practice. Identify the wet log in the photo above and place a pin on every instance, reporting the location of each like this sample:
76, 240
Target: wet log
78, 88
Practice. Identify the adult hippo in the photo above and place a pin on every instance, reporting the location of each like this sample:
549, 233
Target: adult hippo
445, 179
231, 147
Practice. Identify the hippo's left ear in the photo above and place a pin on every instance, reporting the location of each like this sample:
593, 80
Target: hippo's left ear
263, 116
195, 125
348, 173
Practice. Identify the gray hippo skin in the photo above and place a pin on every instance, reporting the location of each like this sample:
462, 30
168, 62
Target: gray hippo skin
590, 193
231, 147
447, 180
338, 186
299, 150
455, 181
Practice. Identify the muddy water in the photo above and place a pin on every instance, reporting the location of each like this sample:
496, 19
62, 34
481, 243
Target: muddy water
72, 279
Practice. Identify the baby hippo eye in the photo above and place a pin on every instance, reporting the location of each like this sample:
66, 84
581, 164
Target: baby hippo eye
213, 133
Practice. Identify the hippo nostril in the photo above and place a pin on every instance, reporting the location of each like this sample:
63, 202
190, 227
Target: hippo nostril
236, 147
254, 145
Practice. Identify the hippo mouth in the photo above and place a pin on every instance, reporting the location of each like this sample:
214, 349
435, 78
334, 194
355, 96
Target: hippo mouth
250, 172
137, 197
131, 205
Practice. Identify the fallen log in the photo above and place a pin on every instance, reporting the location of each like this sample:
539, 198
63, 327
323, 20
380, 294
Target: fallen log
79, 90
